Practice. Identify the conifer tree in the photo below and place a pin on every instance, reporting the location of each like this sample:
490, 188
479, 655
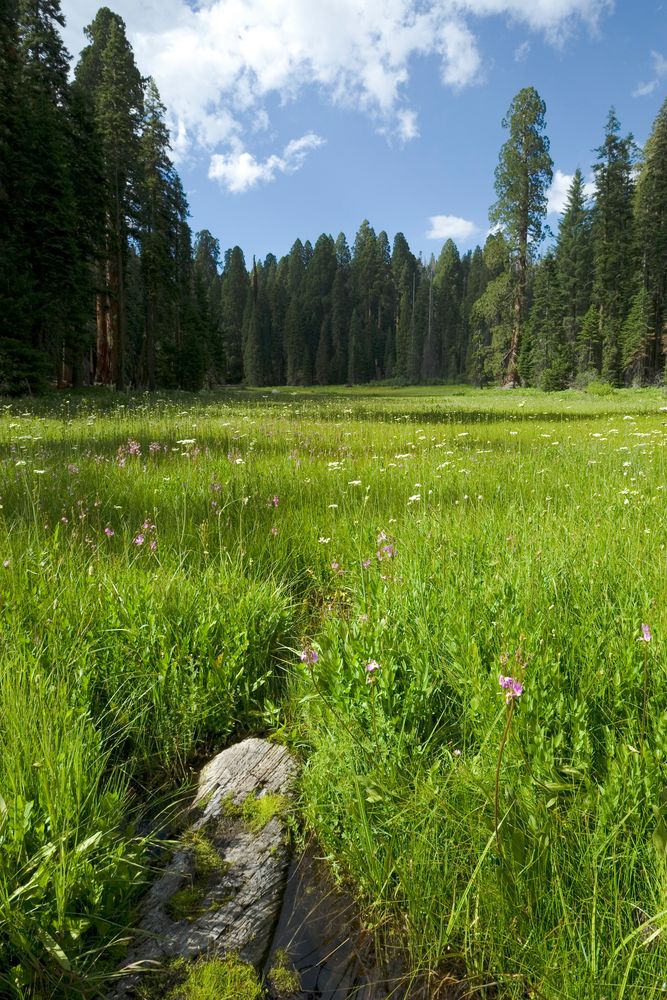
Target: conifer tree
208, 292
574, 266
522, 178
108, 74
234, 294
340, 324
613, 249
643, 351
156, 228
447, 290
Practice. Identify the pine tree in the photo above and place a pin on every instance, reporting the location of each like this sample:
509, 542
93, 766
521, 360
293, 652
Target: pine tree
108, 74
549, 364
256, 351
234, 294
643, 336
208, 291
340, 324
522, 177
613, 250
447, 286
297, 339
19, 361
48, 210
492, 314
574, 266
156, 229
317, 291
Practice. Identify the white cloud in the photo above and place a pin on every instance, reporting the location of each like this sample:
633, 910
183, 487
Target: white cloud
218, 63
450, 227
239, 170
461, 60
659, 64
557, 193
659, 71
521, 51
644, 89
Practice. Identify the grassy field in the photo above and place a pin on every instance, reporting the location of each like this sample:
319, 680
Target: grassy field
351, 571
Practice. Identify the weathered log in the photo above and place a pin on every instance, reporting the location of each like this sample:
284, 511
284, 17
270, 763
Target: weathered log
222, 890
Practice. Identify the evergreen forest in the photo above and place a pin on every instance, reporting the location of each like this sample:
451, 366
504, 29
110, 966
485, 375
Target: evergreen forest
103, 282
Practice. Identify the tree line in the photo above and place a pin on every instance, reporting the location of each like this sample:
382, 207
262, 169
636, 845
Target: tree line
102, 281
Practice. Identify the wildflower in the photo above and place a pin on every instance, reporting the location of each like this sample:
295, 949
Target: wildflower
133, 447
370, 669
323, 541
646, 634
139, 540
274, 531
512, 687
154, 546
382, 537
366, 563
73, 469
337, 568
154, 446
7, 563
308, 656
109, 532
275, 501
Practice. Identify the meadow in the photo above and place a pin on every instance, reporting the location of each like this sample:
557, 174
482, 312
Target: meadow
351, 572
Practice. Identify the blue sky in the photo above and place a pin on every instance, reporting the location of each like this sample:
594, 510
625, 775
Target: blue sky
296, 117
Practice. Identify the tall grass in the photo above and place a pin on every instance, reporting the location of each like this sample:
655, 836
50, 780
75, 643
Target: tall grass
163, 561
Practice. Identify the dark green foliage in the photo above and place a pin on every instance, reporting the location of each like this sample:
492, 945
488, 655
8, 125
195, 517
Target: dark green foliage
574, 265
99, 280
613, 247
234, 294
108, 76
642, 340
522, 178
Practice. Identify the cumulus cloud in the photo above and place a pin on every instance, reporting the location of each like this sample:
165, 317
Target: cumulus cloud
219, 62
239, 170
557, 193
659, 73
450, 227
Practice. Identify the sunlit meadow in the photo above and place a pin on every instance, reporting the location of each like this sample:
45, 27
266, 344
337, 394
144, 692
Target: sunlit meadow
353, 573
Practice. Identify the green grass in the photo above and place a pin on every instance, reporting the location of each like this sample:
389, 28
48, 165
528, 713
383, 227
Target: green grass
520, 525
